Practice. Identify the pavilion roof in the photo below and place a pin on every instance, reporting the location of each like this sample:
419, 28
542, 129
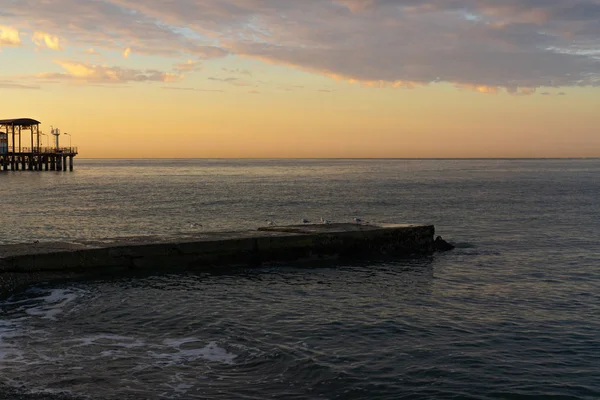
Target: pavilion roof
23, 122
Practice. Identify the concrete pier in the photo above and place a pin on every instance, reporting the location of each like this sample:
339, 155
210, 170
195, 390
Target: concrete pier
26, 264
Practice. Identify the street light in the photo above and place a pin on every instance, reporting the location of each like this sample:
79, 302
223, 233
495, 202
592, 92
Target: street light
47, 144
69, 135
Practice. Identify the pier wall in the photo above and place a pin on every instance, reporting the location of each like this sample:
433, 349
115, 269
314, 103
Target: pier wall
36, 161
28, 264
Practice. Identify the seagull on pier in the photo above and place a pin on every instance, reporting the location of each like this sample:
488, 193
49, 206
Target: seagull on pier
269, 222
358, 220
324, 221
305, 221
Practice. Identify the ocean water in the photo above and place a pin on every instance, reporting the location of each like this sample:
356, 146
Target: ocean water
512, 313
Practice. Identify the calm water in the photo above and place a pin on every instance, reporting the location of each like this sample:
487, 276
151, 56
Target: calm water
512, 313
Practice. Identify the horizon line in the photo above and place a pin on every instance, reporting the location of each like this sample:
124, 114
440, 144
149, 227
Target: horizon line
339, 158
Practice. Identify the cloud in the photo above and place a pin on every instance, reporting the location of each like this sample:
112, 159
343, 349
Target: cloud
12, 85
237, 71
46, 40
9, 36
522, 91
479, 88
232, 80
187, 66
228, 80
206, 52
91, 52
90, 73
191, 89
126, 52
489, 46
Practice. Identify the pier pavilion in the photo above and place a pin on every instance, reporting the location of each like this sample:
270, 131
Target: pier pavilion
26, 153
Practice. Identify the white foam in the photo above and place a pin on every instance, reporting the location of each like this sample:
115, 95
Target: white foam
52, 304
179, 342
177, 355
8, 352
114, 341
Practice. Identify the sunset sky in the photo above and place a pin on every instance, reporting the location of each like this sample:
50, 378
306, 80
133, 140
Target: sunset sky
307, 78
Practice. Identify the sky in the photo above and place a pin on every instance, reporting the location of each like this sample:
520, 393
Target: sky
310, 78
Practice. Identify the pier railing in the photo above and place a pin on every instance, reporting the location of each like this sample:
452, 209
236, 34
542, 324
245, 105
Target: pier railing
45, 150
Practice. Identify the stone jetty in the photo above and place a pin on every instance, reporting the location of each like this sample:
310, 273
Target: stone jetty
27, 264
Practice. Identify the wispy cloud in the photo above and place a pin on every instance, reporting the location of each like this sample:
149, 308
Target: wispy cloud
237, 71
126, 52
553, 94
191, 89
91, 52
91, 73
228, 79
205, 52
232, 80
12, 85
187, 66
46, 40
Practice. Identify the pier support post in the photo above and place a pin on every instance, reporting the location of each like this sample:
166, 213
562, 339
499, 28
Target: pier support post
64, 163
70, 163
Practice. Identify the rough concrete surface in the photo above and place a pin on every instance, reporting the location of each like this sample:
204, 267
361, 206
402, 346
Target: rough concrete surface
29, 263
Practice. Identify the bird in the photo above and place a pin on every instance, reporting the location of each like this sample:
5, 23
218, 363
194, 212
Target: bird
195, 225
269, 222
358, 220
324, 221
305, 221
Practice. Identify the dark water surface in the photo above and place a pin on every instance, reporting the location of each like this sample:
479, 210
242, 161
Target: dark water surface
512, 313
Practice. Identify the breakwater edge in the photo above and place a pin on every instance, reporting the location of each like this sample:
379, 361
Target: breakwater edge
26, 264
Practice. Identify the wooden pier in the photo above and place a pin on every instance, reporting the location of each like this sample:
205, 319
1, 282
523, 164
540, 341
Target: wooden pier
15, 156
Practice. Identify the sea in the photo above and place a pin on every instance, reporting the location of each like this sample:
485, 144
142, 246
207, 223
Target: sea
512, 313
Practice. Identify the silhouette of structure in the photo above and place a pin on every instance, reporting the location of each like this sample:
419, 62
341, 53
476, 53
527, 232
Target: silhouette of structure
20, 148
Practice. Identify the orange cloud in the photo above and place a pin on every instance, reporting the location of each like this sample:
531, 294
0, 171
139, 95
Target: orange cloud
43, 39
91, 73
485, 89
9, 36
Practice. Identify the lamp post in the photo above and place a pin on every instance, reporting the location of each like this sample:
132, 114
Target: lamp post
69, 135
43, 134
